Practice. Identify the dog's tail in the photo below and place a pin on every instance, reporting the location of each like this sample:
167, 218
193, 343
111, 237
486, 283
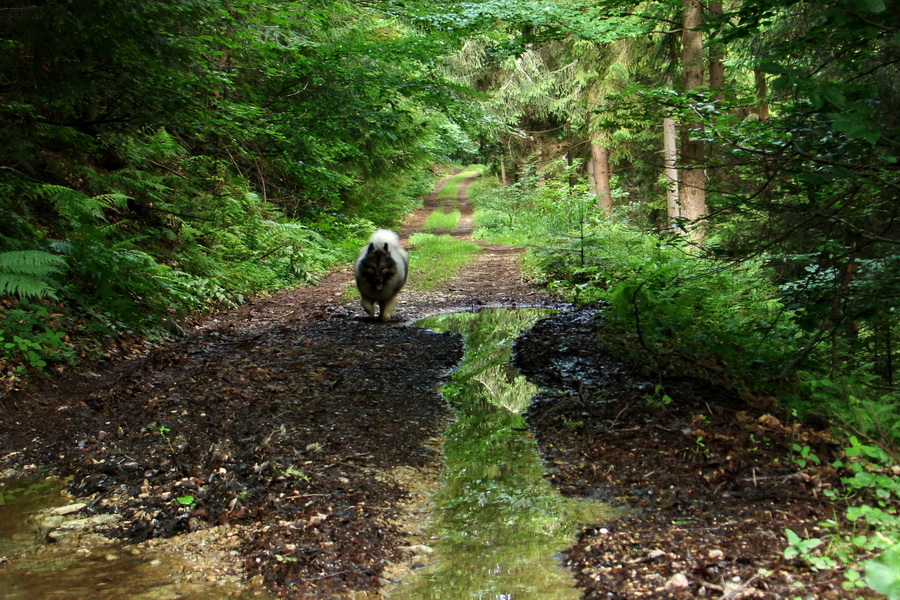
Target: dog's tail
384, 236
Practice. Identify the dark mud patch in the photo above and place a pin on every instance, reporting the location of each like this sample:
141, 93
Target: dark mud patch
706, 481
289, 432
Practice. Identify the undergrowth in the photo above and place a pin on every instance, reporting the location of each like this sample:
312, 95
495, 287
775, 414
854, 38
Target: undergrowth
129, 253
683, 307
863, 538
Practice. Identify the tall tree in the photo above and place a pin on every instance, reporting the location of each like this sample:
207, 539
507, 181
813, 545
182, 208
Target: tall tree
716, 53
601, 173
670, 158
692, 187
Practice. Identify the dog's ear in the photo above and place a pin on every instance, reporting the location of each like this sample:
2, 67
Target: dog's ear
371, 249
385, 247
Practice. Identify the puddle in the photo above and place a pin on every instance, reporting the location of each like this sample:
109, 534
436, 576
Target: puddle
19, 500
47, 551
499, 524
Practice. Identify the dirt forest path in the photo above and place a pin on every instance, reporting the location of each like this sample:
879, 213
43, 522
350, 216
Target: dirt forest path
303, 432
292, 443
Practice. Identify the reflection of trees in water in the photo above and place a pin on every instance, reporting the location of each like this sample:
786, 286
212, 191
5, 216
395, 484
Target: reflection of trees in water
500, 522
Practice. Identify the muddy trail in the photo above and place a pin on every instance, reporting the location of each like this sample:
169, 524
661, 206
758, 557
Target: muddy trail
290, 448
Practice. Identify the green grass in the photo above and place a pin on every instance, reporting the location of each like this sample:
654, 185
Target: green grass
449, 191
436, 259
439, 220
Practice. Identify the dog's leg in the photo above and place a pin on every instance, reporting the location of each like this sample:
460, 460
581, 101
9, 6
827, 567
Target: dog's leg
387, 308
369, 306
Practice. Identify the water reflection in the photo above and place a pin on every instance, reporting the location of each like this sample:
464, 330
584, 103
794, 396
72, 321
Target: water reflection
500, 523
89, 567
18, 500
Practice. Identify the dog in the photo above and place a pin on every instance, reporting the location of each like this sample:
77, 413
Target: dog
381, 271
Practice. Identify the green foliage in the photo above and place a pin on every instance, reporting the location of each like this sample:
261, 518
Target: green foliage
804, 456
531, 212
29, 273
801, 145
658, 399
670, 300
196, 153
805, 550
883, 573
31, 335
867, 536
856, 400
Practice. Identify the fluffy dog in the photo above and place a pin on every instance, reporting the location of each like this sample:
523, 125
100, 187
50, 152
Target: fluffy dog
381, 272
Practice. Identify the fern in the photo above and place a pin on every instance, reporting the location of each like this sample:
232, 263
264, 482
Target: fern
156, 146
76, 207
28, 273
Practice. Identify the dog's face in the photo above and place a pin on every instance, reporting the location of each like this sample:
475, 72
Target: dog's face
378, 266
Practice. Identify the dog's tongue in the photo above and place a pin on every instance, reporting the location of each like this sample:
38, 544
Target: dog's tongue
379, 287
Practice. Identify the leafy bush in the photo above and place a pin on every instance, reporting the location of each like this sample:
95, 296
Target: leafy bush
529, 212
206, 155
857, 401
864, 540
675, 303
107, 273
28, 341
698, 309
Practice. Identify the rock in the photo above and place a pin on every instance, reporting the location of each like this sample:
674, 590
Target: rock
67, 510
63, 529
677, 581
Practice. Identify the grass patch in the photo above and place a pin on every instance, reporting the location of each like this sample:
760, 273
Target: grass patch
449, 191
440, 220
435, 259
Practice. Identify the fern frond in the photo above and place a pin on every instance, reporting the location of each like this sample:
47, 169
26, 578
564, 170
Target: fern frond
116, 200
77, 207
26, 273
294, 232
31, 262
26, 286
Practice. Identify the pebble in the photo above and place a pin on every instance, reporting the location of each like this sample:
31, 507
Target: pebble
677, 581
67, 510
419, 549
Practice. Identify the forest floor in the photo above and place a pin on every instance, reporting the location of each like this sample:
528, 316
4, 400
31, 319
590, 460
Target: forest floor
303, 441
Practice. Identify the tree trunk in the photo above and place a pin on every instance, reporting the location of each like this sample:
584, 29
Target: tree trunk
692, 192
716, 53
716, 83
762, 107
670, 155
600, 160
